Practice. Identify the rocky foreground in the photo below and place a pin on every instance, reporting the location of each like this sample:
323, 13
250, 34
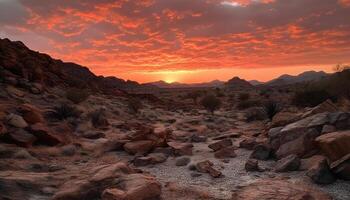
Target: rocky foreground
107, 146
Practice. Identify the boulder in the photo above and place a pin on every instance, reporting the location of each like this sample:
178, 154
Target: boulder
303, 145
151, 159
16, 121
248, 143
181, 149
284, 118
198, 138
328, 129
3, 129
21, 138
326, 106
182, 161
273, 189
120, 176
207, 167
261, 152
308, 163
220, 144
341, 167
44, 135
289, 163
334, 145
227, 152
134, 187
252, 165
138, 147
320, 172
31, 114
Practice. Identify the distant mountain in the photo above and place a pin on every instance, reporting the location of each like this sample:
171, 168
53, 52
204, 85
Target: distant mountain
255, 82
238, 83
303, 77
163, 84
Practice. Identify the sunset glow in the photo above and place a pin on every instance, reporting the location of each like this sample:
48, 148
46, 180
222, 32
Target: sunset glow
182, 40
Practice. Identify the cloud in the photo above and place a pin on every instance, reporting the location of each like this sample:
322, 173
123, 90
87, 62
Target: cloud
115, 36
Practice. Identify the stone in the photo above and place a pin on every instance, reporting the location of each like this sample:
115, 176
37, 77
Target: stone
181, 149
220, 144
93, 134
248, 143
168, 151
68, 150
23, 154
261, 152
227, 152
138, 147
31, 114
328, 129
44, 135
341, 167
334, 145
198, 138
320, 173
16, 121
21, 138
326, 106
284, 118
104, 178
182, 161
274, 189
289, 163
153, 158
303, 145
308, 163
142, 161
227, 136
14, 91
3, 129
252, 165
207, 167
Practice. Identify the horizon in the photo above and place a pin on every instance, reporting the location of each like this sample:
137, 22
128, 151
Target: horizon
186, 42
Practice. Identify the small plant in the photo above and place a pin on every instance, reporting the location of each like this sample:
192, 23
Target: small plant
243, 96
194, 95
134, 105
271, 108
211, 103
248, 104
256, 113
310, 97
99, 118
77, 95
64, 111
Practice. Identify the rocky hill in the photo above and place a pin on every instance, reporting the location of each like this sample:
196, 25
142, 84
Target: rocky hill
237, 83
19, 63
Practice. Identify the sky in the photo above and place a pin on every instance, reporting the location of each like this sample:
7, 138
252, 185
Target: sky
185, 40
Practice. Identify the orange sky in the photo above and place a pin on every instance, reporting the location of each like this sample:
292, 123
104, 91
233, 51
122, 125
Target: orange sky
182, 40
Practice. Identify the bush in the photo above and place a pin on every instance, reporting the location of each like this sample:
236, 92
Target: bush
310, 97
243, 96
211, 103
248, 104
256, 113
134, 105
64, 111
99, 119
77, 95
194, 95
271, 108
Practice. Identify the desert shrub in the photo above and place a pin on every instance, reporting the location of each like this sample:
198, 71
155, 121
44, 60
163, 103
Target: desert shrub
248, 104
243, 96
99, 118
77, 95
194, 95
211, 103
254, 114
311, 97
338, 85
134, 105
64, 111
271, 108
